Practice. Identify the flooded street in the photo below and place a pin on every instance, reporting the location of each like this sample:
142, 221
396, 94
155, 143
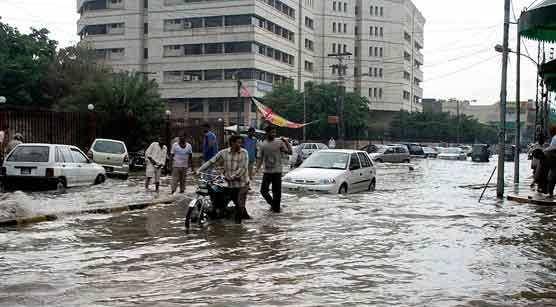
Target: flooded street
420, 240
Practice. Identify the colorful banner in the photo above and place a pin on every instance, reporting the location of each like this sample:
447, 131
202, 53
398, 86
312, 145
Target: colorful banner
274, 118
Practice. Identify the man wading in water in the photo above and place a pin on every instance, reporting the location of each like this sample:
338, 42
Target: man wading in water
271, 156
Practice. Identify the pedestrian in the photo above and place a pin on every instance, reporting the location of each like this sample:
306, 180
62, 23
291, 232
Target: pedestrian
156, 158
250, 144
17, 139
331, 143
552, 132
271, 156
182, 158
236, 161
210, 144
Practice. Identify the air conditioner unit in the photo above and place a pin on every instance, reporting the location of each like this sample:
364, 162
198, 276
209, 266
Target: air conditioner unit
186, 77
187, 25
195, 78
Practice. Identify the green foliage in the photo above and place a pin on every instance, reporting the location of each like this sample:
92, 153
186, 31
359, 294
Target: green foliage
24, 59
320, 103
440, 127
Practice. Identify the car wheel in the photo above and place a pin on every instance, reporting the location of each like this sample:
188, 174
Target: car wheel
100, 179
406, 161
372, 185
61, 185
343, 189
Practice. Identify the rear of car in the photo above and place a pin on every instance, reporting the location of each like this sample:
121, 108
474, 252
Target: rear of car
28, 166
112, 155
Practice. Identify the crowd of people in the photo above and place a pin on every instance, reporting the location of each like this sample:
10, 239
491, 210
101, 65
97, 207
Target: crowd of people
240, 161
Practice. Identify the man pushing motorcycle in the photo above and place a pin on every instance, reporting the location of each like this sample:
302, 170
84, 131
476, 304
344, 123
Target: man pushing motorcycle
235, 160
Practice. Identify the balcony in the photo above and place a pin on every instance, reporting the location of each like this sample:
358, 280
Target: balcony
95, 5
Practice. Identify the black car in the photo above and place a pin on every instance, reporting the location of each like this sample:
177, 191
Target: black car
480, 153
416, 150
372, 148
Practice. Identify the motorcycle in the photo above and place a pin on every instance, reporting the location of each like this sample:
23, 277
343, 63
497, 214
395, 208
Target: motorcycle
213, 202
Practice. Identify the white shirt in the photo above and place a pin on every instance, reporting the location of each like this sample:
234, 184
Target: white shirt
181, 154
157, 153
553, 141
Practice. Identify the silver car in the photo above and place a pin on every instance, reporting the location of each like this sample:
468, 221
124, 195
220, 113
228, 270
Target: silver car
112, 155
392, 154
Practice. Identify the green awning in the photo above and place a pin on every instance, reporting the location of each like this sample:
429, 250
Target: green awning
548, 73
539, 23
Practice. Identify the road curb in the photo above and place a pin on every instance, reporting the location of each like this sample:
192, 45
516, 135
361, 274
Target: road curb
51, 217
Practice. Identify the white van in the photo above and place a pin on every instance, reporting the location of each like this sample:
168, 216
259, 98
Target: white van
34, 165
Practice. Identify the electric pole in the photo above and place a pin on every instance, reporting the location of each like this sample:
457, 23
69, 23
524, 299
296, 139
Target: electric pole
240, 104
517, 108
340, 68
503, 97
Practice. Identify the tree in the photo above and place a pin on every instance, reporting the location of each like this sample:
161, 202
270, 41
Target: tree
24, 59
320, 102
128, 105
441, 127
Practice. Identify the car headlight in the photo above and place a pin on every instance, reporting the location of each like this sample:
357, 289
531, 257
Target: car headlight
327, 181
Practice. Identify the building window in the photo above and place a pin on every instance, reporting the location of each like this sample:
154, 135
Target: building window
406, 95
308, 66
380, 72
213, 22
375, 92
213, 48
211, 75
146, 4
309, 44
333, 48
406, 56
356, 51
345, 7
237, 47
309, 23
356, 30
381, 11
216, 106
371, 31
376, 10
195, 106
381, 52
334, 27
406, 75
345, 48
356, 10
345, 28
145, 53
380, 93
371, 14
334, 5
376, 51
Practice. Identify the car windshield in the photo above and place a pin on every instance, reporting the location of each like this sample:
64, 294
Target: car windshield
452, 150
109, 147
30, 154
327, 160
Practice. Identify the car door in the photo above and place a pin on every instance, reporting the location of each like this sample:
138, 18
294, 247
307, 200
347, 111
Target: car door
366, 169
68, 166
390, 155
355, 173
400, 154
85, 172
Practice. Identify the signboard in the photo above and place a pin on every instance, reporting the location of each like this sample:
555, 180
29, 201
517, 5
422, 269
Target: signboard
264, 87
333, 120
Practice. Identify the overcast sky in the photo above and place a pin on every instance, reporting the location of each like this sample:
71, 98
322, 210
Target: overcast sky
460, 35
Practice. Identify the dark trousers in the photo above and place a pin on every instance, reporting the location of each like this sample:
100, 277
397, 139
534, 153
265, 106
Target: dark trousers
274, 179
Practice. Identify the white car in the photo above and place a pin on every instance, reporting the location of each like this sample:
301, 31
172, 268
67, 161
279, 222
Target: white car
333, 171
303, 151
112, 155
32, 165
452, 153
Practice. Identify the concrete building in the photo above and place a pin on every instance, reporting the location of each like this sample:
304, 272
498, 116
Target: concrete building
197, 50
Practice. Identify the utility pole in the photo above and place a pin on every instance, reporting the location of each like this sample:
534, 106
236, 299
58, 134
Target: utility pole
239, 102
517, 109
340, 67
412, 42
503, 96
458, 136
304, 115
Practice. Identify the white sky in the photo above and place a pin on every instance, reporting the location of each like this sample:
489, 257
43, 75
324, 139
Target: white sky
460, 35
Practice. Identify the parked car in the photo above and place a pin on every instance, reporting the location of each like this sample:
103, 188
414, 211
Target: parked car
467, 150
452, 153
430, 152
392, 154
303, 151
46, 165
372, 148
415, 150
333, 171
480, 153
112, 155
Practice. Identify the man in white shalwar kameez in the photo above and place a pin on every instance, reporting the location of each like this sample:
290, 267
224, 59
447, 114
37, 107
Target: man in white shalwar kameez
156, 158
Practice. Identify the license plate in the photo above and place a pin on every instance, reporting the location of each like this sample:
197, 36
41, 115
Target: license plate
25, 171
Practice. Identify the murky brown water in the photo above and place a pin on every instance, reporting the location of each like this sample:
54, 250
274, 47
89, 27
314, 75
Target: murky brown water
420, 240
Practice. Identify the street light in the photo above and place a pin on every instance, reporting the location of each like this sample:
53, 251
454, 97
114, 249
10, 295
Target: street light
498, 48
91, 107
3, 100
168, 113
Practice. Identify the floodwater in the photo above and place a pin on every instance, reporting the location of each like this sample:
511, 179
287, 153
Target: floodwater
421, 239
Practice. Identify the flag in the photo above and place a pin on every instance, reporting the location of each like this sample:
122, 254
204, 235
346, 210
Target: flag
274, 118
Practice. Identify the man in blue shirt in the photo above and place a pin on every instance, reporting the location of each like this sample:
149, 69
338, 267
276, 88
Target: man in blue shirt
210, 144
250, 144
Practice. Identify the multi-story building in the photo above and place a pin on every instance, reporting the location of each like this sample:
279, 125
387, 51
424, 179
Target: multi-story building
197, 50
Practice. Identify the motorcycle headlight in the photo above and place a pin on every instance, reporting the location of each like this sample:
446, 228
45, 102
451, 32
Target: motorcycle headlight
327, 181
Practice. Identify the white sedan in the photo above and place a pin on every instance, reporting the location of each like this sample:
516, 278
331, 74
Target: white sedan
61, 166
452, 153
333, 171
